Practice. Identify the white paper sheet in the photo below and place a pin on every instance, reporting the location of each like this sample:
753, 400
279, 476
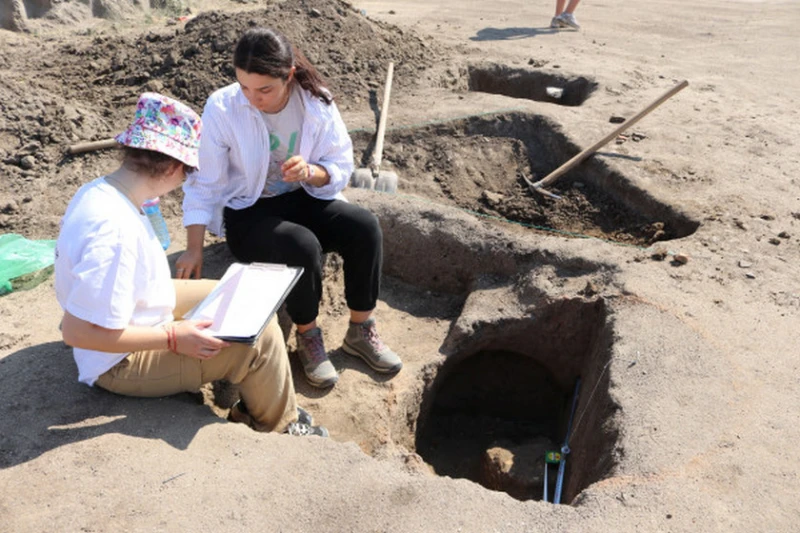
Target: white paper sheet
245, 299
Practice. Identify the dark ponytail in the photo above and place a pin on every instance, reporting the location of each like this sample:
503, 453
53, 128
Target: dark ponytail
265, 51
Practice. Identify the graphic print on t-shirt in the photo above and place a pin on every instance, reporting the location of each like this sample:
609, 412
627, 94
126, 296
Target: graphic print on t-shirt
284, 139
280, 151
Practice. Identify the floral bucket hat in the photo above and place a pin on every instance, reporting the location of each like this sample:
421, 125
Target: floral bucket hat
165, 125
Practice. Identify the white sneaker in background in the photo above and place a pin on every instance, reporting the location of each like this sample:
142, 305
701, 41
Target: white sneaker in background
568, 19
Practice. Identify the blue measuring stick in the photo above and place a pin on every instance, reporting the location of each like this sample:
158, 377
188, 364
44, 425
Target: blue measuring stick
565, 448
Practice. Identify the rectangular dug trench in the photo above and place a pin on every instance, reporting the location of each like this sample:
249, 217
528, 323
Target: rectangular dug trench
494, 409
530, 85
478, 164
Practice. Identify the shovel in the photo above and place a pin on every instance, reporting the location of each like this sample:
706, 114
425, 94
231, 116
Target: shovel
551, 178
92, 146
373, 177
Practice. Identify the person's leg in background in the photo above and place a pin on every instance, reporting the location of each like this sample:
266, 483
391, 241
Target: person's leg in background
554, 23
565, 17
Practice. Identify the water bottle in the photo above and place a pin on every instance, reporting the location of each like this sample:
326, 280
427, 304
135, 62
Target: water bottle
152, 208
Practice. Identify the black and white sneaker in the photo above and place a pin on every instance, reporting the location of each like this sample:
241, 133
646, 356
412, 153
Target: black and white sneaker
304, 417
240, 414
304, 430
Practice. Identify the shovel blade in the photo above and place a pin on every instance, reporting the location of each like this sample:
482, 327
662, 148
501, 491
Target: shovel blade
386, 182
362, 179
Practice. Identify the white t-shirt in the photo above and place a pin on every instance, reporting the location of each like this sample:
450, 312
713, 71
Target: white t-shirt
110, 270
285, 129
234, 161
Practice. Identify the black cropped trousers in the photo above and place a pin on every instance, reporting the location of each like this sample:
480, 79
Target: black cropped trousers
297, 229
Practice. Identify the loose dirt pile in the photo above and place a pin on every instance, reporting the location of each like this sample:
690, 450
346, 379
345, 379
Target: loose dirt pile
70, 89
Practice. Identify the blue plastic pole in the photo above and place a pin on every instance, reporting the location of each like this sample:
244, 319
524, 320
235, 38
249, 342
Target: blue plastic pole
546, 468
565, 449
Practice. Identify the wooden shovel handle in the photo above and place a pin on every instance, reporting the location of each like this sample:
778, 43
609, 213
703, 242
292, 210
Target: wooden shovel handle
92, 146
377, 153
566, 167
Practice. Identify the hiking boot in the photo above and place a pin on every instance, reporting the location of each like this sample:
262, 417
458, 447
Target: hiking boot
305, 430
363, 341
568, 19
316, 365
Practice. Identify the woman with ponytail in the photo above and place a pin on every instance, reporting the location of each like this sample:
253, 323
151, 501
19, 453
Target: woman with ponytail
275, 157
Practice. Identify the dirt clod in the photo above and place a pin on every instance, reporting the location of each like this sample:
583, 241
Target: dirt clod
680, 259
659, 254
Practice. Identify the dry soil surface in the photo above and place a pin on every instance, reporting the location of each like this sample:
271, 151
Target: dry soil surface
664, 278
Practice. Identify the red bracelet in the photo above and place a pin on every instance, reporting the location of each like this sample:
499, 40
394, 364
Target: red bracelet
174, 340
172, 343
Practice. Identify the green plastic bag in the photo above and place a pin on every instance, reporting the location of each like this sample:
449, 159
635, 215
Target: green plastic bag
24, 263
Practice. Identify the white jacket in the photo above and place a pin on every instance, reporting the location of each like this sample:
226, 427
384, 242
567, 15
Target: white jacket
234, 155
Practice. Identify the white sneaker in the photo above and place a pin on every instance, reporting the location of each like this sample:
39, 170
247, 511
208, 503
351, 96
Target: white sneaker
555, 23
568, 19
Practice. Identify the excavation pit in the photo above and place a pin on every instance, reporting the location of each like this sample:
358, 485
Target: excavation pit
480, 164
531, 85
494, 409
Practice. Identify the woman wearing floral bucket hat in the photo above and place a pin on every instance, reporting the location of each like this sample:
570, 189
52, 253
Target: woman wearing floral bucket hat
112, 280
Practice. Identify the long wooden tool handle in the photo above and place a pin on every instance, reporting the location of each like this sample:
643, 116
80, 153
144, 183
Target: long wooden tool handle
92, 146
377, 153
566, 167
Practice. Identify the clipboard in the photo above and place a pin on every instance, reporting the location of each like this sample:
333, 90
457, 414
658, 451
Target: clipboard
245, 299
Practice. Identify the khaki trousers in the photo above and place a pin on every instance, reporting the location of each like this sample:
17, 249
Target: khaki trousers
262, 370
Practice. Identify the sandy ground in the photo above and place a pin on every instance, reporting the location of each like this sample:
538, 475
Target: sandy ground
699, 415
